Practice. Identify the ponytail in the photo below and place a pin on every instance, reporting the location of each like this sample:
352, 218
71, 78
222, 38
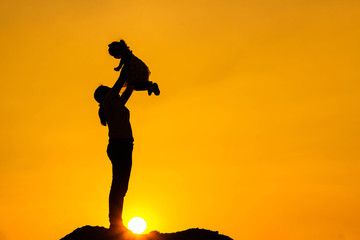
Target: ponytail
102, 115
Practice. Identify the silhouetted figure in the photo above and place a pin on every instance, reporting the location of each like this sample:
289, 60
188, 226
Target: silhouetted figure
113, 112
138, 72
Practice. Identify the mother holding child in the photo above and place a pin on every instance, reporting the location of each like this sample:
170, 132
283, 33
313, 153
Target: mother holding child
113, 113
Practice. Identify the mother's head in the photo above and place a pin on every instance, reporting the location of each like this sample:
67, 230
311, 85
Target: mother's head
100, 93
99, 96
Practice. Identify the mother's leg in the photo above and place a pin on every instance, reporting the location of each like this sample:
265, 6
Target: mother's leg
121, 158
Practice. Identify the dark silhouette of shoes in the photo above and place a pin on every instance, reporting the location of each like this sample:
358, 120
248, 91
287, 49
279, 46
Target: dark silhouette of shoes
155, 89
121, 232
150, 90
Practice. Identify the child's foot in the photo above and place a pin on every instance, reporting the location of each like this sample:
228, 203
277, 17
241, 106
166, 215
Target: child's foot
149, 87
150, 90
117, 69
155, 89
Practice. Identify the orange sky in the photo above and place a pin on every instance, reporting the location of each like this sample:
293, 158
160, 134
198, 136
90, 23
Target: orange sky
255, 133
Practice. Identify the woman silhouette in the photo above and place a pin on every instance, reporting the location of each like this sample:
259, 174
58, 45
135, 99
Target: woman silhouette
114, 113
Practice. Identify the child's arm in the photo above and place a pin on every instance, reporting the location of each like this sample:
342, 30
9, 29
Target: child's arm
120, 65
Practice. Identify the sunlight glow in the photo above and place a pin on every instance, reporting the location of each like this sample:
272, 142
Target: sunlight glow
137, 225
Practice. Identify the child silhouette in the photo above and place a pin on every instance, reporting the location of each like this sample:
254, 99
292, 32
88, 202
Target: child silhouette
137, 71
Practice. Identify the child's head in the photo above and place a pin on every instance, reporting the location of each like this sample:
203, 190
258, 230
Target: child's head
117, 49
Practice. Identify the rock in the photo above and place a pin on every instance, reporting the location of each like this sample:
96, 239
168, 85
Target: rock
101, 233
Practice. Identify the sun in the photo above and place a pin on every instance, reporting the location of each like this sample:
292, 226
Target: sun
137, 225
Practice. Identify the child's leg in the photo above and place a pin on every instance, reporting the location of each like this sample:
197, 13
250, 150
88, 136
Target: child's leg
155, 89
149, 86
142, 86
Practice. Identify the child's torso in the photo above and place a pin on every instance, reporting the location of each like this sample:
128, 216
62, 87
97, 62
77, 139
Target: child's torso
138, 71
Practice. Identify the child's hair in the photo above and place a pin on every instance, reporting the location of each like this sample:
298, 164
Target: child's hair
99, 96
117, 46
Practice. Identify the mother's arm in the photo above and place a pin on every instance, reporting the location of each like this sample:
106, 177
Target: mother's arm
126, 94
121, 80
125, 61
